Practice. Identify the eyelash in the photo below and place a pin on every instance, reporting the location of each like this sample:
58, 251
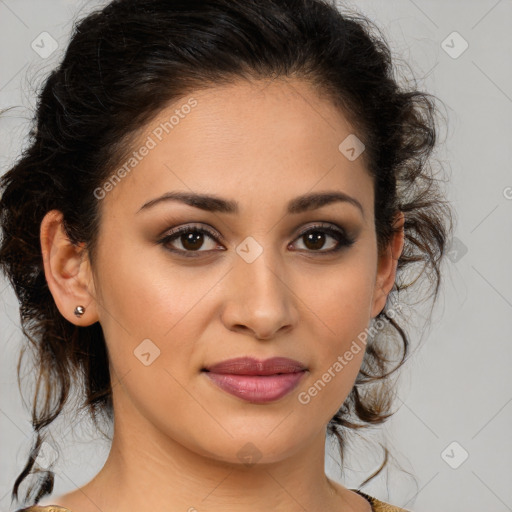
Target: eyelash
343, 240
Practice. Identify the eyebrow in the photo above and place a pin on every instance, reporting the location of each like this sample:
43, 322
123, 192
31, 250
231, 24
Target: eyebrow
212, 203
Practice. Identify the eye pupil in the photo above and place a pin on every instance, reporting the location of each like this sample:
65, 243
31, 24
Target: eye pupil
192, 241
315, 239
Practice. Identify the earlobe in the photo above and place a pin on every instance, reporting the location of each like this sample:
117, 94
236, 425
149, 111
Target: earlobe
67, 270
387, 266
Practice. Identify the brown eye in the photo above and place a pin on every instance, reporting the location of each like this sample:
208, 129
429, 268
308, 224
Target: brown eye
191, 239
315, 238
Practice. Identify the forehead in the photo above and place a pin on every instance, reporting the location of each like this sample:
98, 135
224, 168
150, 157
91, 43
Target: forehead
244, 140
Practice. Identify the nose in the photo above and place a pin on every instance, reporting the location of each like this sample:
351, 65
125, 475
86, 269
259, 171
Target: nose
259, 298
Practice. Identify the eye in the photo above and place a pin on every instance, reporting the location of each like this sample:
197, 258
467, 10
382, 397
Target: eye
190, 238
315, 237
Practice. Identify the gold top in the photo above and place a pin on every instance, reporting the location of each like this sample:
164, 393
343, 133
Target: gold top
377, 506
48, 508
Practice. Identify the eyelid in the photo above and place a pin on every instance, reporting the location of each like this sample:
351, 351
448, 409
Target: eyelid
215, 234
322, 225
198, 226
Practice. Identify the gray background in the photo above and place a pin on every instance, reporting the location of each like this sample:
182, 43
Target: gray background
457, 388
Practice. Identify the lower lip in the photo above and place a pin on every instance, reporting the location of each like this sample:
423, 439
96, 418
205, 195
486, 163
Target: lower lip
257, 388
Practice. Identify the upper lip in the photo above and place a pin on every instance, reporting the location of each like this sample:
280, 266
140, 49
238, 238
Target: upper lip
251, 366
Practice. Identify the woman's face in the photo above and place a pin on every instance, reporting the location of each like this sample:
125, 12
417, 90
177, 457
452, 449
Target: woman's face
270, 277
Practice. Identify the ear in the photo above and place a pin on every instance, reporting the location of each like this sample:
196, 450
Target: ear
67, 270
387, 265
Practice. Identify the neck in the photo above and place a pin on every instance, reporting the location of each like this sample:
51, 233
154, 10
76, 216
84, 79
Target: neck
147, 470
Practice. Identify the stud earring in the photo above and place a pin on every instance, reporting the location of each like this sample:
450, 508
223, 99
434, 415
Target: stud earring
79, 311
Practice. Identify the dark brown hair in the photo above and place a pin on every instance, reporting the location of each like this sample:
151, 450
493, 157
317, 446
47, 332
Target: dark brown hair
126, 62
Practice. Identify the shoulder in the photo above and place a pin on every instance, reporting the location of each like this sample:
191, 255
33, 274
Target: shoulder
380, 506
47, 508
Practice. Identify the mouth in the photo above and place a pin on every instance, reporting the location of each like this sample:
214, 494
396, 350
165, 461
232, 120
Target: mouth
256, 381
252, 366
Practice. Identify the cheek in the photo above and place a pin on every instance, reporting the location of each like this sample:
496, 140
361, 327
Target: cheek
151, 314
144, 293
341, 296
341, 300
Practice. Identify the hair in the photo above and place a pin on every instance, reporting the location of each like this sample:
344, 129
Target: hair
127, 61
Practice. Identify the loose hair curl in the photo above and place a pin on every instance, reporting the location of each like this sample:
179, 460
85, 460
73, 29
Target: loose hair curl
127, 61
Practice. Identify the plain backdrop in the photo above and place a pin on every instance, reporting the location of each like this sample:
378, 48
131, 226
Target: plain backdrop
451, 435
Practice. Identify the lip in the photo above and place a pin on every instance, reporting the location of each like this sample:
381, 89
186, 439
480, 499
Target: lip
252, 366
257, 381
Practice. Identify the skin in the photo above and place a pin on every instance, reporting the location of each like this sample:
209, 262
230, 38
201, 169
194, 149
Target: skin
177, 435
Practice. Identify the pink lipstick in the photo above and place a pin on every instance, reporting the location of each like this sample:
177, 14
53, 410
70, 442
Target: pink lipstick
257, 381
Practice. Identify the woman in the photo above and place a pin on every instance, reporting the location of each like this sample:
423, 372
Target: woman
210, 227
